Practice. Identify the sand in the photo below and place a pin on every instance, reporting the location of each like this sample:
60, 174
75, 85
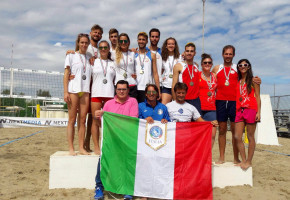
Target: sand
24, 168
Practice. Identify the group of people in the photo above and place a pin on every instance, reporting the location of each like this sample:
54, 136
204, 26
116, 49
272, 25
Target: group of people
167, 84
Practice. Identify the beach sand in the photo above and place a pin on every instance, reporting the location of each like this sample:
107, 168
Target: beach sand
24, 168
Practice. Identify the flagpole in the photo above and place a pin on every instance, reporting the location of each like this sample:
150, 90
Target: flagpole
203, 2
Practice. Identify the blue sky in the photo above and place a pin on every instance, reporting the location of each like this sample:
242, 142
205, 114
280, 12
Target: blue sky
41, 31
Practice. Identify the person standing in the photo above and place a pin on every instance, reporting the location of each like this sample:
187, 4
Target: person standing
76, 91
113, 37
96, 35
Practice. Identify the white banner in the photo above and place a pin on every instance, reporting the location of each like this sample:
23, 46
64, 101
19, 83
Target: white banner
13, 122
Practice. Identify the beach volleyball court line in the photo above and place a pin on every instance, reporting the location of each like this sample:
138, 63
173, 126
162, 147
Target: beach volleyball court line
20, 138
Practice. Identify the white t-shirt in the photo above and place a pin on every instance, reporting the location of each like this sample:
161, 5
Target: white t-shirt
99, 88
167, 66
145, 77
80, 67
182, 112
93, 51
126, 66
158, 64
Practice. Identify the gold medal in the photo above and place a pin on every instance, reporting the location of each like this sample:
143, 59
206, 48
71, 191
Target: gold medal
170, 75
141, 71
209, 93
125, 75
241, 99
227, 83
191, 83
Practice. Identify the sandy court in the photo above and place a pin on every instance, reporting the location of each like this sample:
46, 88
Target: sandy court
24, 168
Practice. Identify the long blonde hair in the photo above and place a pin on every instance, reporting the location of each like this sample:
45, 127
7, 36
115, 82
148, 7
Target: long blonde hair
119, 54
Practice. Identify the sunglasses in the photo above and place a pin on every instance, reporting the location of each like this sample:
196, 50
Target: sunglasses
123, 41
121, 89
103, 48
151, 92
243, 65
205, 63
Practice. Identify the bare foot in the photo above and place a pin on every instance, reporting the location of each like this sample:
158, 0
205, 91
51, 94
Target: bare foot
97, 151
84, 152
219, 162
72, 153
87, 148
246, 165
237, 162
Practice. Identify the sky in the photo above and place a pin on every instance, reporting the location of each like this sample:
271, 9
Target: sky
42, 31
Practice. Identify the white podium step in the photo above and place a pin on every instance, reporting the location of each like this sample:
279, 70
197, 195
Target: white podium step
79, 172
67, 171
227, 174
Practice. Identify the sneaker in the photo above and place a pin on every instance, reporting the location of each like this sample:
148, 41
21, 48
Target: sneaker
128, 197
99, 195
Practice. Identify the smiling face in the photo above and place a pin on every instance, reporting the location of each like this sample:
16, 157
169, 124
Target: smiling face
180, 95
122, 91
104, 50
228, 56
170, 46
243, 67
83, 44
142, 41
96, 35
206, 65
189, 53
151, 94
154, 38
124, 43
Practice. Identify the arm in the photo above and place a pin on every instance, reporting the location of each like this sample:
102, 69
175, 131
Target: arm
215, 69
257, 80
66, 96
214, 122
258, 98
69, 52
155, 72
176, 71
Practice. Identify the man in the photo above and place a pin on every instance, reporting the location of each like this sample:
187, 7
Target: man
113, 36
181, 111
145, 66
154, 36
121, 104
187, 72
96, 35
151, 109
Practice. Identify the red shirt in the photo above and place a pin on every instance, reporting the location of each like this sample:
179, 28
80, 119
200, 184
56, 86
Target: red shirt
207, 102
245, 100
224, 92
193, 90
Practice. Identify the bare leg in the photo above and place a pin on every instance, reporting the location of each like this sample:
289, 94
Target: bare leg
235, 147
222, 141
239, 129
72, 114
166, 98
95, 128
213, 136
252, 144
89, 133
83, 110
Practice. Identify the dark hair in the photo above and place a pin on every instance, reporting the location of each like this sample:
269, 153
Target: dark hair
180, 86
109, 54
97, 27
205, 56
164, 51
113, 30
249, 76
190, 44
79, 38
155, 88
122, 82
154, 30
229, 47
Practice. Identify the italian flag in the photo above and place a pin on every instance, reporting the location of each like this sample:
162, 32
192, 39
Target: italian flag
180, 169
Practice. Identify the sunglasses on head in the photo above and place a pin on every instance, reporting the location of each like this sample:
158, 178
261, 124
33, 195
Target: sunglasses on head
123, 41
103, 48
243, 65
83, 34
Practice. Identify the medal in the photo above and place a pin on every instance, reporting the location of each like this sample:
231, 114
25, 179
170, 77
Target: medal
141, 71
142, 62
191, 83
125, 75
227, 83
241, 99
85, 66
170, 75
171, 66
209, 93
105, 81
84, 77
191, 75
104, 70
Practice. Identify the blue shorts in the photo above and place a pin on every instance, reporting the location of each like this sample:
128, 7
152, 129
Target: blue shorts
208, 115
225, 110
166, 90
195, 103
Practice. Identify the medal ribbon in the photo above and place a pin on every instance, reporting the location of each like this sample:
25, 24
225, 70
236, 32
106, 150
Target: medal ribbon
242, 88
104, 69
142, 63
125, 63
85, 65
227, 76
209, 83
95, 53
192, 74
171, 66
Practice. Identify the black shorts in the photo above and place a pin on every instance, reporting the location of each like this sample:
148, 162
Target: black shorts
196, 103
225, 110
166, 90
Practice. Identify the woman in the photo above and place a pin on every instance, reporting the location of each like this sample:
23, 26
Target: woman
207, 91
170, 56
76, 91
248, 107
103, 75
125, 66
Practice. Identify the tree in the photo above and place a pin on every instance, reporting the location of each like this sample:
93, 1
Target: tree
43, 93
